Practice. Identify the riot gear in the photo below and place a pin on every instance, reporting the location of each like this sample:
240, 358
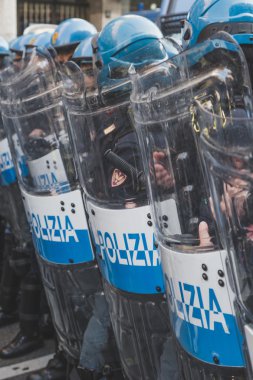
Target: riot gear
234, 17
43, 40
54, 207
9, 281
206, 18
130, 30
19, 43
17, 268
193, 259
226, 147
83, 53
68, 34
111, 171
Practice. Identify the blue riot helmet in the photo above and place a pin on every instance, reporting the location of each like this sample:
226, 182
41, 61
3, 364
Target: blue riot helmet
15, 45
19, 44
69, 34
235, 17
138, 42
4, 52
205, 18
132, 31
83, 57
4, 47
83, 53
43, 40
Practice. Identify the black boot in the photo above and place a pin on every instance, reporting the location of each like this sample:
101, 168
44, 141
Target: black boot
85, 374
28, 339
108, 374
20, 345
56, 369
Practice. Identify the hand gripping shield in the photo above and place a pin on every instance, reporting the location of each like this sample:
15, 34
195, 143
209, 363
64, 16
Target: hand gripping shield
34, 116
198, 284
111, 169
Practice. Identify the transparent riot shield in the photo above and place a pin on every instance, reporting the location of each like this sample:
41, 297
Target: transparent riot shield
109, 159
7, 171
12, 209
34, 117
226, 144
198, 280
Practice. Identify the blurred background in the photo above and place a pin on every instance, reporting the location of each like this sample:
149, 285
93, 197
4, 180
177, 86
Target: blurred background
24, 16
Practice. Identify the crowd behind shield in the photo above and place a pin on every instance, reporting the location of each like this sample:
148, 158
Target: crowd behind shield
126, 201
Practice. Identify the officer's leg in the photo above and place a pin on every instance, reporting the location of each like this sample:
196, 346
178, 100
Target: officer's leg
28, 338
168, 364
99, 357
57, 367
98, 353
46, 326
2, 242
9, 286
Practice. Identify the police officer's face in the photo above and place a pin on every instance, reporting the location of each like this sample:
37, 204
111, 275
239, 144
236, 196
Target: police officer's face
89, 78
64, 55
17, 59
1, 61
238, 163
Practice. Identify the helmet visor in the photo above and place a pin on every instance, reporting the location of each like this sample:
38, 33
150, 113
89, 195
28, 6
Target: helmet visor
141, 55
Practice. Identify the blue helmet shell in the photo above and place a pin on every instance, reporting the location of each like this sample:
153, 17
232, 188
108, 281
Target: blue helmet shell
232, 16
122, 32
43, 39
4, 47
72, 32
21, 42
84, 51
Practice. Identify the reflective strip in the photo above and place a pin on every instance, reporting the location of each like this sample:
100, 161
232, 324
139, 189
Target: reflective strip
25, 367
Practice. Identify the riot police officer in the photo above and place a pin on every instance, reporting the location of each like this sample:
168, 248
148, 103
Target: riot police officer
83, 56
22, 267
67, 36
236, 18
179, 196
58, 366
18, 45
70, 275
42, 40
10, 282
111, 169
